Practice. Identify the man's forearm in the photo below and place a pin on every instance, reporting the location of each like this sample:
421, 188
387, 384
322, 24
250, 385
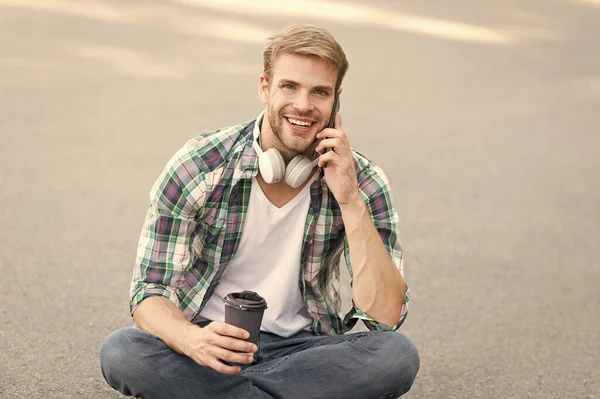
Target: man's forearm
378, 288
162, 318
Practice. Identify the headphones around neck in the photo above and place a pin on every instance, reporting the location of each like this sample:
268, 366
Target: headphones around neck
272, 166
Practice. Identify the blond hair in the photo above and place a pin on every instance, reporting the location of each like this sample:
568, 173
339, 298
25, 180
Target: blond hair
307, 41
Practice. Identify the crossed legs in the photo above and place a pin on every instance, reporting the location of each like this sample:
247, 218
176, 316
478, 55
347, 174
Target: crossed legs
361, 365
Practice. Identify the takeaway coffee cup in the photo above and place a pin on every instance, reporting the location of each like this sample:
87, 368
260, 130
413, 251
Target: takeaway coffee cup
245, 310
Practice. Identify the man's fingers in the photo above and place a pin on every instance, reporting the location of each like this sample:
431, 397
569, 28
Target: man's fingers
331, 133
227, 336
233, 357
328, 143
237, 345
229, 330
224, 342
338, 121
327, 157
223, 368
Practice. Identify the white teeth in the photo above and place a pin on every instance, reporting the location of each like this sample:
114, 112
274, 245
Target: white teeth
299, 123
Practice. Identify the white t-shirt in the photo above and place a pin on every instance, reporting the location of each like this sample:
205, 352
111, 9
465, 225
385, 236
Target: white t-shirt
267, 261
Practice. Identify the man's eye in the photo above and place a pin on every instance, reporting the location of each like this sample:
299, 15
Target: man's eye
321, 92
288, 86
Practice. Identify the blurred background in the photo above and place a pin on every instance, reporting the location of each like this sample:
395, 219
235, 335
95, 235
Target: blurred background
485, 116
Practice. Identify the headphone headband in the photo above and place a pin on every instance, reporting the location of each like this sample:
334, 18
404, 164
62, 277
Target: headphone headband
256, 133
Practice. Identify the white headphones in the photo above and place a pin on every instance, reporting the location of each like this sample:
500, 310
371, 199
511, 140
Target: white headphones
272, 167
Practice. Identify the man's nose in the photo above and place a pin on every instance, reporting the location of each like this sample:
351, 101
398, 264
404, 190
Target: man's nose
303, 103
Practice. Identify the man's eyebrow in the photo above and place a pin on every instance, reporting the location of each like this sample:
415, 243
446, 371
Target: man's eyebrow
294, 83
288, 82
326, 88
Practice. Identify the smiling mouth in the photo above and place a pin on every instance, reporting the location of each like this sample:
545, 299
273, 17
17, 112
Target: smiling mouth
299, 123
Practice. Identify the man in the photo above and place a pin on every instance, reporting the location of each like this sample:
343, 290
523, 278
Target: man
224, 218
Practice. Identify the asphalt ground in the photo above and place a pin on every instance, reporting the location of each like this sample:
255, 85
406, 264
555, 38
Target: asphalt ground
485, 115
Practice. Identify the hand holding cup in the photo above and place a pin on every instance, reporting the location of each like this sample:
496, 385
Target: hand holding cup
218, 342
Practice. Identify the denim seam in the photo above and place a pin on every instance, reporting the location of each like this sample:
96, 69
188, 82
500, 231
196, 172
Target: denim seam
355, 337
270, 368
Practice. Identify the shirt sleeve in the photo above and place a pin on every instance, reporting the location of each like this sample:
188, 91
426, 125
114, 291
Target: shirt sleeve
375, 191
164, 249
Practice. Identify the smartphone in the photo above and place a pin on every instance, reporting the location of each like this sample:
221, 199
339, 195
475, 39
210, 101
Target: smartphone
336, 108
334, 111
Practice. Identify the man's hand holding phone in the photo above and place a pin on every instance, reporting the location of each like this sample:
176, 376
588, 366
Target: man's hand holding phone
337, 162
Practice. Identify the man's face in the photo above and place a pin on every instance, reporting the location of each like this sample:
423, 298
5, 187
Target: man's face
299, 101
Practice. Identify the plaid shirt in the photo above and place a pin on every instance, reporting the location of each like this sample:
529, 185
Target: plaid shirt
196, 217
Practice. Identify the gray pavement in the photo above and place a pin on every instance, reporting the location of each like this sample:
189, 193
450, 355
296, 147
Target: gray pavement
485, 115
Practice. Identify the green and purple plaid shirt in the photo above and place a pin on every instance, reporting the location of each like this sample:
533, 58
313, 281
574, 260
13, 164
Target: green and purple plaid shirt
196, 217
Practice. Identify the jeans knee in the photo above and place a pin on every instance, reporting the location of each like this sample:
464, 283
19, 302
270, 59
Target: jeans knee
116, 356
407, 360
398, 361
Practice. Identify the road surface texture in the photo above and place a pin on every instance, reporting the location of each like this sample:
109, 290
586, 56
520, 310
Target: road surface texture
485, 115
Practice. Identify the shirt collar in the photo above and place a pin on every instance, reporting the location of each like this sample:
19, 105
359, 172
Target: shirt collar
249, 159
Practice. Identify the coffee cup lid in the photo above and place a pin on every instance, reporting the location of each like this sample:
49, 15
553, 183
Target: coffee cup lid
245, 300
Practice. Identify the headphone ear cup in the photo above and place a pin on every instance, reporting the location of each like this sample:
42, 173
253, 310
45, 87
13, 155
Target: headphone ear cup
298, 171
271, 165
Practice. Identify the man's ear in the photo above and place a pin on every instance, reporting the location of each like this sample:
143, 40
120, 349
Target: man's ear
339, 91
263, 89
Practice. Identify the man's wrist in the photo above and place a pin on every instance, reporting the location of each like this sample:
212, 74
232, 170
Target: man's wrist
182, 338
355, 206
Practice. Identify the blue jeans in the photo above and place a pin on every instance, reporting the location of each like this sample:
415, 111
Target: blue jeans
370, 364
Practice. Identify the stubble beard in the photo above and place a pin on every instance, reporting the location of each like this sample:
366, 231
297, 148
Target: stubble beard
277, 125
